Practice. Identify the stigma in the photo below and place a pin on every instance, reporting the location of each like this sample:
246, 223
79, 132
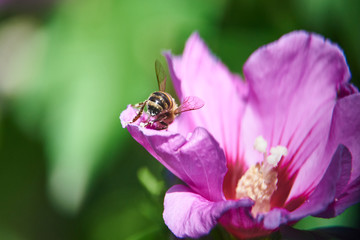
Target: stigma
260, 181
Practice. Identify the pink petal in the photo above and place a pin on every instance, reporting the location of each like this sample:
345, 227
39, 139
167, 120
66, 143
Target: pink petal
198, 73
346, 199
188, 214
345, 129
345, 174
325, 192
293, 85
197, 160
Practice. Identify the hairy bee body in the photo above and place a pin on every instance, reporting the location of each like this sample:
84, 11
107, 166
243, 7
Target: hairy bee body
161, 106
159, 102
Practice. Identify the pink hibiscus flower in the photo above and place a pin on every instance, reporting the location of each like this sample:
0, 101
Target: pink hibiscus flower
281, 145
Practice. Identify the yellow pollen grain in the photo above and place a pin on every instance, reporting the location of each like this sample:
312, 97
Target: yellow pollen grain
259, 185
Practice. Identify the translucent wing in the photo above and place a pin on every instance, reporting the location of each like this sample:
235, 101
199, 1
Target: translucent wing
190, 103
160, 75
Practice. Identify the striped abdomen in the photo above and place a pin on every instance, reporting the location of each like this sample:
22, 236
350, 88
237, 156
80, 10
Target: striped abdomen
159, 102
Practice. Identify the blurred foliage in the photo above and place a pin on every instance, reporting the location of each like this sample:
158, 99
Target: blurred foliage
67, 70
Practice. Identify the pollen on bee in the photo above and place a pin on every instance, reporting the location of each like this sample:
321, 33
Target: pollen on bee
260, 181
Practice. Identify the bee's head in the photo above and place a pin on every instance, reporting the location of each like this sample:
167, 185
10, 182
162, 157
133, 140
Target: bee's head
153, 111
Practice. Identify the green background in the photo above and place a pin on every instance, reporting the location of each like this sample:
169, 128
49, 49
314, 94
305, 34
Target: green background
68, 170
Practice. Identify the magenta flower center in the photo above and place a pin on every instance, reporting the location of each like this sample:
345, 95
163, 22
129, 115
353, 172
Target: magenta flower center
260, 181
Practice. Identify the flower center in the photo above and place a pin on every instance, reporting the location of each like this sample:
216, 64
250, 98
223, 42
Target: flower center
259, 181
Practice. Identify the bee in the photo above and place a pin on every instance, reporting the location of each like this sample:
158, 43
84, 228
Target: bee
161, 106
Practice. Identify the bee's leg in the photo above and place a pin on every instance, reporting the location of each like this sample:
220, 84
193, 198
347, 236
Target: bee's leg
141, 106
151, 122
164, 125
148, 122
160, 120
138, 105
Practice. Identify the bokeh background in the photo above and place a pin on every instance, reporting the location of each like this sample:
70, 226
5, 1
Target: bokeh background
68, 170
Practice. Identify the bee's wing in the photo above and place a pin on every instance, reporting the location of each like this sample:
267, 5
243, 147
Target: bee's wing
160, 75
190, 103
